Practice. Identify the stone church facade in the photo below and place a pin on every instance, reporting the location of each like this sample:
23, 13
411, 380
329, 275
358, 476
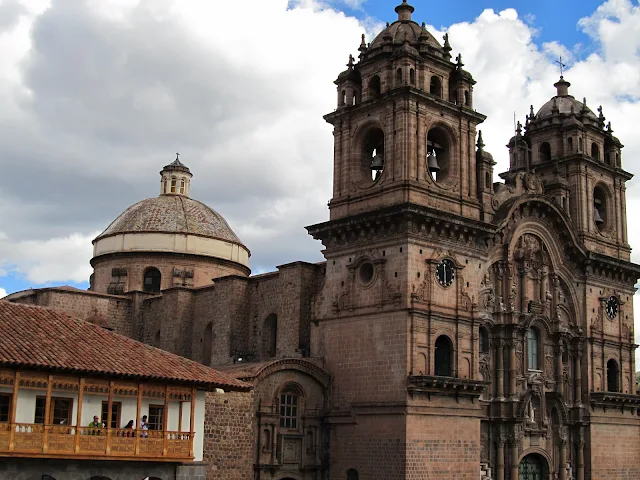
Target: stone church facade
458, 328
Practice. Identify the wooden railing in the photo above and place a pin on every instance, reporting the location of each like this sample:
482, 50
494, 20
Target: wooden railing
26, 439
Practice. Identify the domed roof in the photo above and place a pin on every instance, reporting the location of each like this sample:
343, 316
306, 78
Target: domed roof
172, 214
564, 104
405, 30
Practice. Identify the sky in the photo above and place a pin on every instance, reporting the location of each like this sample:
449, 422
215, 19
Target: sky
95, 97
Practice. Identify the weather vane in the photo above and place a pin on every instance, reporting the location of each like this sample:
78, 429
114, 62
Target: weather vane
562, 65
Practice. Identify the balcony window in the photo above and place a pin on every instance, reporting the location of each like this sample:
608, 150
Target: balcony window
60, 412
116, 408
156, 414
289, 410
5, 407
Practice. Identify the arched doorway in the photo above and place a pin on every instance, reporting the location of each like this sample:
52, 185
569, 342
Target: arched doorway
443, 357
532, 467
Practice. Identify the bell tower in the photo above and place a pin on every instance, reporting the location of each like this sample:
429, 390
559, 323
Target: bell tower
394, 319
405, 126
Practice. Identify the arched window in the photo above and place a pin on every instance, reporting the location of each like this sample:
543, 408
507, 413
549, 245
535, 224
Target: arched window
356, 95
435, 86
412, 76
270, 336
289, 407
443, 356
343, 98
207, 340
152, 278
375, 87
484, 340
600, 210
398, 77
352, 474
466, 98
612, 376
182, 186
156, 339
595, 151
545, 152
173, 184
532, 349
570, 144
165, 186
487, 180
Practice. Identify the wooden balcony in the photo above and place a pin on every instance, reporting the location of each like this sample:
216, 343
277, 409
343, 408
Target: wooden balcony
63, 441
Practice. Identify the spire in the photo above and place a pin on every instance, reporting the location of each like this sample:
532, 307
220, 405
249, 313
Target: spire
601, 117
480, 143
532, 114
363, 46
404, 11
447, 46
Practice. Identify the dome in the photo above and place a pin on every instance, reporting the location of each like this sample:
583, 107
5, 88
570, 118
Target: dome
564, 104
404, 30
172, 214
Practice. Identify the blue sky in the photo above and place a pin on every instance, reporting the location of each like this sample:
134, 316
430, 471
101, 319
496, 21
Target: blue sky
45, 237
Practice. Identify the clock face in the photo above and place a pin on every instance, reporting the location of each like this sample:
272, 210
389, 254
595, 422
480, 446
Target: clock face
612, 307
445, 273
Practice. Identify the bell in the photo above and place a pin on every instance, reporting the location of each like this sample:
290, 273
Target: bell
432, 162
377, 163
596, 216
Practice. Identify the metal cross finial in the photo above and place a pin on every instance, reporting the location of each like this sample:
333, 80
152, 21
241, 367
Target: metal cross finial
562, 65
177, 156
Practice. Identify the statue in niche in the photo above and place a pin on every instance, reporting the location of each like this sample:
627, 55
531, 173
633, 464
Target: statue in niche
531, 413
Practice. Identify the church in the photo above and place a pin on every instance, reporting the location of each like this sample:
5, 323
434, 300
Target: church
459, 327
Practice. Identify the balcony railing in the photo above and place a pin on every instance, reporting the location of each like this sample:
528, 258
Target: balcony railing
29, 439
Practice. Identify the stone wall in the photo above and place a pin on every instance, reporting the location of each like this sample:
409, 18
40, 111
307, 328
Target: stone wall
229, 436
614, 444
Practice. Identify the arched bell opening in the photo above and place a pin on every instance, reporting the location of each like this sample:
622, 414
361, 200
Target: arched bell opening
373, 161
613, 374
375, 88
545, 152
438, 154
600, 208
443, 356
435, 86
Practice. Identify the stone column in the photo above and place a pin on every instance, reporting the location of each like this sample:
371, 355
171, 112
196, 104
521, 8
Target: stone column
562, 474
559, 371
580, 460
512, 368
577, 374
500, 369
514, 459
500, 459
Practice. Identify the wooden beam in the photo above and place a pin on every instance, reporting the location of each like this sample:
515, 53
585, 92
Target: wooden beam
138, 418
165, 417
14, 408
180, 416
79, 415
109, 407
47, 415
192, 421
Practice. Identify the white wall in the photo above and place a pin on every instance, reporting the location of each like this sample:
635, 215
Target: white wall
198, 440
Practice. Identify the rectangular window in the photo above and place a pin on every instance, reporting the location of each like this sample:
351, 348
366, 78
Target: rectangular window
532, 349
61, 409
5, 407
289, 410
116, 408
156, 414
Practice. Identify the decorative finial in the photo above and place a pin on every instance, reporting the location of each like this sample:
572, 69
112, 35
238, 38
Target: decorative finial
519, 129
480, 143
531, 113
388, 24
363, 45
177, 156
459, 63
404, 11
350, 64
562, 65
609, 129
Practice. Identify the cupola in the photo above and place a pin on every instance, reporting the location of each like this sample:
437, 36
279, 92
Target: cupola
176, 178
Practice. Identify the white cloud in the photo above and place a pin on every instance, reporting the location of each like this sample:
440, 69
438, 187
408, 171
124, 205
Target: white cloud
45, 261
3, 293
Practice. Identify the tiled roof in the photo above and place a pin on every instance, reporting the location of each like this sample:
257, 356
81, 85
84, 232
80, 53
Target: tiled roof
172, 214
39, 338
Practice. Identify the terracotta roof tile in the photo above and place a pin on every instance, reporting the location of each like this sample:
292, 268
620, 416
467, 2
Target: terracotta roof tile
39, 338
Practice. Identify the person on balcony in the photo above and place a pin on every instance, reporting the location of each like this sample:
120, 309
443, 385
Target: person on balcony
96, 424
144, 426
129, 426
